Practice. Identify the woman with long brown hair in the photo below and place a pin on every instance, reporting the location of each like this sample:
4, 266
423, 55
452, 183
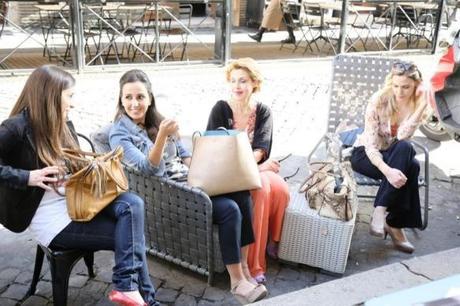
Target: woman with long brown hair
32, 140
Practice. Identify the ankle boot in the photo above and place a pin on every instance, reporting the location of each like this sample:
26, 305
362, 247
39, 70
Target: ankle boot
289, 40
257, 36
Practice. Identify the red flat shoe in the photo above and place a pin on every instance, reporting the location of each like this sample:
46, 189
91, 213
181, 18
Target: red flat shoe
122, 299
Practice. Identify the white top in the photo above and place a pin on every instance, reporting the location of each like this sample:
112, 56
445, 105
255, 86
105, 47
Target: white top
50, 218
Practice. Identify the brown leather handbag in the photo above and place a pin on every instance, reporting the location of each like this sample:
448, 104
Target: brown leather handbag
331, 192
96, 180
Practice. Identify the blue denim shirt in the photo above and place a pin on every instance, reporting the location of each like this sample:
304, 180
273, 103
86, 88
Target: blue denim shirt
137, 145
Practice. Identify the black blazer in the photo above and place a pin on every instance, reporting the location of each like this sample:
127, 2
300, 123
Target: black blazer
18, 202
222, 116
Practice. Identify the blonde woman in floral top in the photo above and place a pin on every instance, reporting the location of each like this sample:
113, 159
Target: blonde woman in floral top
383, 152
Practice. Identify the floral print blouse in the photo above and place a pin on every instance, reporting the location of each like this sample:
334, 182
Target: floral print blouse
251, 124
377, 135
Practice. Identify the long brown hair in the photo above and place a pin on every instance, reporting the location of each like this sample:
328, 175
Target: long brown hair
152, 118
41, 98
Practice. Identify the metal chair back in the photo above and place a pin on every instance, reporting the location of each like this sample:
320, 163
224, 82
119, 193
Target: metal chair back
355, 79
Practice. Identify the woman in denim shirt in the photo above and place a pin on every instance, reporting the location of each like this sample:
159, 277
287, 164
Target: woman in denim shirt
150, 142
136, 144
147, 139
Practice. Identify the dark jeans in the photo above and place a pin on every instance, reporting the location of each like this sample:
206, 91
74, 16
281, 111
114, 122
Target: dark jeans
403, 204
232, 212
118, 227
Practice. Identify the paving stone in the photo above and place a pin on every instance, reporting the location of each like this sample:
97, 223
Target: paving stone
15, 291
35, 300
208, 303
159, 269
104, 276
175, 284
157, 283
44, 289
104, 301
230, 301
282, 286
185, 300
4, 283
10, 274
24, 278
7, 302
78, 281
214, 294
47, 275
307, 275
85, 300
288, 274
194, 289
94, 288
166, 295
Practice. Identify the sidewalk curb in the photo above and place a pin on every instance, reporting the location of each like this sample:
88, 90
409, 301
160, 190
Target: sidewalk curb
358, 288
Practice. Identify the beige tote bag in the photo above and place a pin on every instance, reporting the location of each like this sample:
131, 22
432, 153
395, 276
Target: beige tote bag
223, 162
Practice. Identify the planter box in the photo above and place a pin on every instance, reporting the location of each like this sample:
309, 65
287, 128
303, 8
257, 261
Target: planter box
313, 240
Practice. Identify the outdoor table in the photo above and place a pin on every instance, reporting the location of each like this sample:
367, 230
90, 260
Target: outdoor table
399, 5
51, 18
324, 7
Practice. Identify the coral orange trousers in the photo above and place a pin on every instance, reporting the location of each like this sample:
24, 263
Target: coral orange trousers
269, 204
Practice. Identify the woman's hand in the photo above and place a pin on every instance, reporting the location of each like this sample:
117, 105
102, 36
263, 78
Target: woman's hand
396, 178
270, 165
168, 127
42, 177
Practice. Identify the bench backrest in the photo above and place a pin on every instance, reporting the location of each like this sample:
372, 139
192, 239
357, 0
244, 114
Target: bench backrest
354, 80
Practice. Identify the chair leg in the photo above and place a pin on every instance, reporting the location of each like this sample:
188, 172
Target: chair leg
60, 267
37, 270
89, 261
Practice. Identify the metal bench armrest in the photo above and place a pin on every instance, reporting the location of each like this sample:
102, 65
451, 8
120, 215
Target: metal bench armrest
426, 182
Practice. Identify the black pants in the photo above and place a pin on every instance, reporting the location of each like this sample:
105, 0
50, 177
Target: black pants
289, 24
232, 212
403, 205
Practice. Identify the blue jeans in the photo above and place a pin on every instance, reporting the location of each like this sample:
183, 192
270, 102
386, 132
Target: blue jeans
232, 212
118, 227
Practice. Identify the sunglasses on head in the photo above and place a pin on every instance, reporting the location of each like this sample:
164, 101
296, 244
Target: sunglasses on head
400, 68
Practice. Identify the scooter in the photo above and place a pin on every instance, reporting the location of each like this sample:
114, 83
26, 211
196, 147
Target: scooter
444, 123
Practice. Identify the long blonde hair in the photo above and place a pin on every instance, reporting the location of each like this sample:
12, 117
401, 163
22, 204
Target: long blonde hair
386, 96
42, 99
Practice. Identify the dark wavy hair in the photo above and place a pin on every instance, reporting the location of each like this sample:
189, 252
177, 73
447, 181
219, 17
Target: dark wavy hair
152, 118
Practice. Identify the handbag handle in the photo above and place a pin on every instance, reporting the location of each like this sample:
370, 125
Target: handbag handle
99, 168
221, 128
324, 164
77, 154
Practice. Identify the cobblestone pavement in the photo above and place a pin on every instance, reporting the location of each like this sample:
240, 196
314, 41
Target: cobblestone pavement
297, 92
